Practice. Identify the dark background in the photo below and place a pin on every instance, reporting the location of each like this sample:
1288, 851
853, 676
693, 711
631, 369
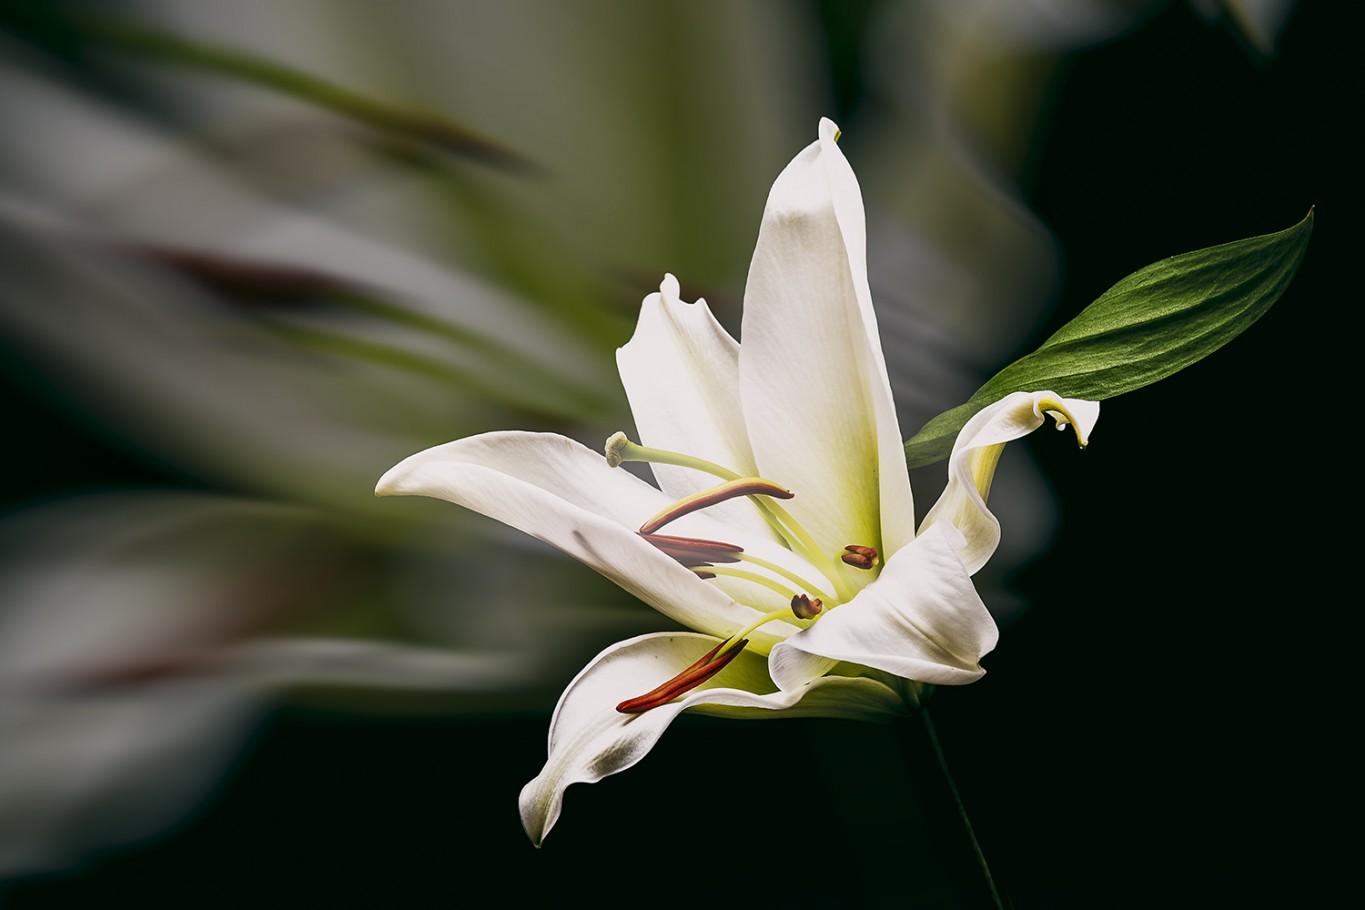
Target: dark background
1168, 725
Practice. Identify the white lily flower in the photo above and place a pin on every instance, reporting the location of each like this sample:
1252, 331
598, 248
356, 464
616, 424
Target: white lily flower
822, 604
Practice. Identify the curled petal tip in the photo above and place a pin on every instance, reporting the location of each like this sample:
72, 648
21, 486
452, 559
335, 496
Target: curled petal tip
1077, 413
669, 287
389, 485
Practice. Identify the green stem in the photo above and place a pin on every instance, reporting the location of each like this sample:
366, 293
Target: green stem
961, 809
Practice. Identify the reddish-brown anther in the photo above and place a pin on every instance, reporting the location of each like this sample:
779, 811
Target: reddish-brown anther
806, 607
695, 551
731, 489
859, 557
705, 668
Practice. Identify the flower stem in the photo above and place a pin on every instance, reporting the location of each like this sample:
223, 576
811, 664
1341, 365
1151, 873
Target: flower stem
961, 809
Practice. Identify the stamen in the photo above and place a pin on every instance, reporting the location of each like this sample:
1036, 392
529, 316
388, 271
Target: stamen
791, 576
754, 577
786, 613
860, 557
620, 449
805, 607
711, 663
695, 551
731, 489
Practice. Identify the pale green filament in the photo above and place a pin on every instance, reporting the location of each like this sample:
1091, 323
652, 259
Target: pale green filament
805, 545
766, 618
620, 449
746, 575
801, 584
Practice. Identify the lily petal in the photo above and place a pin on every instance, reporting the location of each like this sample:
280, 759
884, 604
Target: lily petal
813, 380
590, 740
921, 620
681, 375
971, 467
565, 494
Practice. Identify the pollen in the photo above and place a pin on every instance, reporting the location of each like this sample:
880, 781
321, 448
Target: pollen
711, 663
859, 557
731, 489
695, 551
806, 607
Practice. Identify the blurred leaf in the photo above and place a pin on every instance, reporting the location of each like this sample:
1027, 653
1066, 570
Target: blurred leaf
1153, 323
1255, 24
68, 30
272, 289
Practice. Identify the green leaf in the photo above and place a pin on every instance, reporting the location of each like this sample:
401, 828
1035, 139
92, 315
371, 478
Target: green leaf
1153, 323
75, 32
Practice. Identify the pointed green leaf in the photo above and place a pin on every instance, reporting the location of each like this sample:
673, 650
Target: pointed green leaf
70, 30
1157, 321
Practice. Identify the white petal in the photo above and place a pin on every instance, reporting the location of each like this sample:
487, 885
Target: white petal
565, 494
971, 467
921, 620
813, 379
681, 375
590, 740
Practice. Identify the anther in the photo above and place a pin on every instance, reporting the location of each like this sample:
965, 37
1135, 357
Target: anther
694, 551
806, 607
732, 489
859, 557
708, 666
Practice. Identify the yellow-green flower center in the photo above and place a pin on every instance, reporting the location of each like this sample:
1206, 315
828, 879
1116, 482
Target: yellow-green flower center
710, 559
